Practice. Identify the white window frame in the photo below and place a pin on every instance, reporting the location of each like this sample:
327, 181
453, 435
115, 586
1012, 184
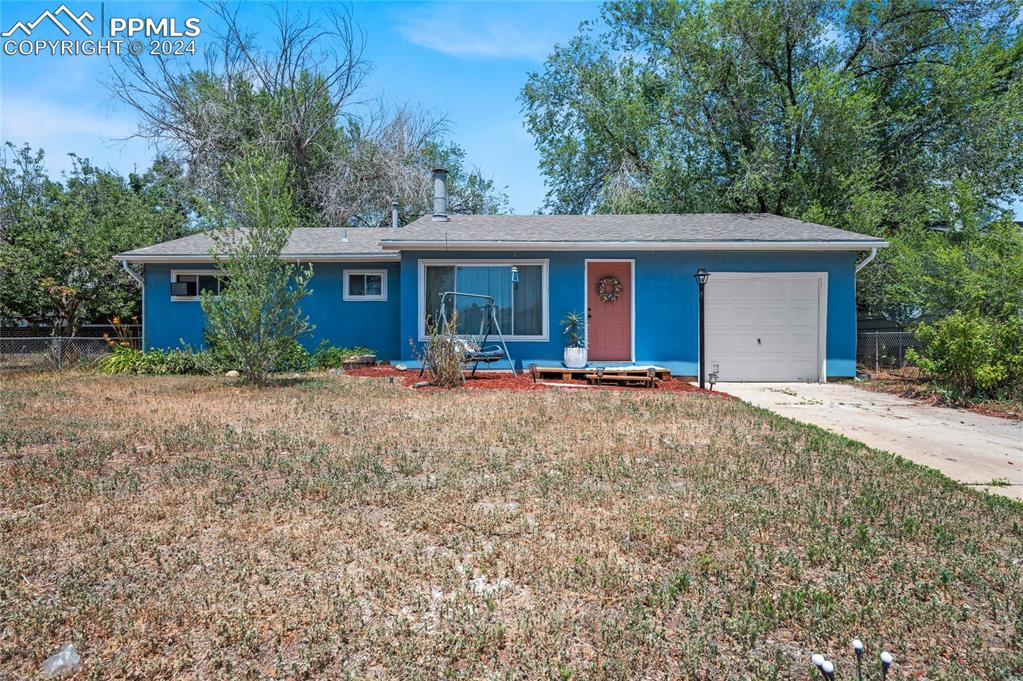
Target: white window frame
483, 262
192, 299
347, 297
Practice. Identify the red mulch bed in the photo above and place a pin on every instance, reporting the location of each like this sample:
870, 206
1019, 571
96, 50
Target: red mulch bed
504, 380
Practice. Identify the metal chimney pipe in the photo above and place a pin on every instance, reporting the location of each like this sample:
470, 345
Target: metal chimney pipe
440, 195
394, 214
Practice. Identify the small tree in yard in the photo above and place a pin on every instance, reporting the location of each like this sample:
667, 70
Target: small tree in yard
256, 317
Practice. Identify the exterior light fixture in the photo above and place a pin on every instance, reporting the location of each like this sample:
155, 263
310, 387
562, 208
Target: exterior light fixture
515, 275
886, 662
701, 276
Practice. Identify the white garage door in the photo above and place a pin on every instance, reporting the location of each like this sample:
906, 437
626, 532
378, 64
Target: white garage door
766, 327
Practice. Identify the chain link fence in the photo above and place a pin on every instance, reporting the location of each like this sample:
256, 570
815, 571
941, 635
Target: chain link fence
53, 352
9, 330
877, 350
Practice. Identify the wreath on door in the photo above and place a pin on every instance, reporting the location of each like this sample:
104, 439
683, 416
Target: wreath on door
609, 289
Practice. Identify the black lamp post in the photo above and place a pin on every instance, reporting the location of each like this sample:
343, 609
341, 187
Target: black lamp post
701, 281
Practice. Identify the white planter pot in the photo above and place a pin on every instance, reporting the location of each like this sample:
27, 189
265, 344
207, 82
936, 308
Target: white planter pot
575, 358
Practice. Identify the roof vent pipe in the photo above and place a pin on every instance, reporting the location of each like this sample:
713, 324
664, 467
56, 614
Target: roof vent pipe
440, 195
394, 214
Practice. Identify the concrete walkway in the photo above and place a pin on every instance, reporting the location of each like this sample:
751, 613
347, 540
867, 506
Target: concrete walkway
967, 447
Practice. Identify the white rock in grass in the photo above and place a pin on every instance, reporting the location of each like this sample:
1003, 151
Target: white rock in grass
401, 367
65, 661
483, 587
232, 374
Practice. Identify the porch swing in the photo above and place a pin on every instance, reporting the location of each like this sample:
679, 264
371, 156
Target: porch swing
474, 348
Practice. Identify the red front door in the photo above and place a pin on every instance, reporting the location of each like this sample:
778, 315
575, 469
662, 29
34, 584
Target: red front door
609, 318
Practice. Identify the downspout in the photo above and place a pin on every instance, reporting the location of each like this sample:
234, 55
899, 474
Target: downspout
866, 261
136, 278
860, 266
142, 285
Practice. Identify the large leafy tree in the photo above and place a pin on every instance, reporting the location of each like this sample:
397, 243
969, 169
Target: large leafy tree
299, 94
58, 238
873, 116
780, 106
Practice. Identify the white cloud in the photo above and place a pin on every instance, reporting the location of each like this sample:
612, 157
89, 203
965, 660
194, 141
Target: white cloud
61, 128
479, 30
27, 118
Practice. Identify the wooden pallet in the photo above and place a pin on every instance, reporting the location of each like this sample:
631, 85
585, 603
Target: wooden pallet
622, 379
566, 374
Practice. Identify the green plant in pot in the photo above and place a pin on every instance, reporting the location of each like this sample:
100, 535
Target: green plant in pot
575, 343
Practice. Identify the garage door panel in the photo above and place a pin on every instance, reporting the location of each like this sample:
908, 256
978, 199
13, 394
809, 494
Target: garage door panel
767, 291
769, 318
763, 327
727, 343
803, 343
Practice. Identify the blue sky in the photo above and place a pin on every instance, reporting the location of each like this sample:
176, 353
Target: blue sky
464, 60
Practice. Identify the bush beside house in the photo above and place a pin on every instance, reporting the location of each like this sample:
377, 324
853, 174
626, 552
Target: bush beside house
215, 361
972, 356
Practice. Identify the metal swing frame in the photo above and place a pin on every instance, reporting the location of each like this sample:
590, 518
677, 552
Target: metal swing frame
488, 325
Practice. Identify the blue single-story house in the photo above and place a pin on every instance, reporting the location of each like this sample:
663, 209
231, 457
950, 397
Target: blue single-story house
780, 299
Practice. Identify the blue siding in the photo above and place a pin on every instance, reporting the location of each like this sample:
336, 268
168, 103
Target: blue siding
374, 324
666, 300
665, 313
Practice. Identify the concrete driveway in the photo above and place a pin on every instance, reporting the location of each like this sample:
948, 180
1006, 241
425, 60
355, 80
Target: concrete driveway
967, 447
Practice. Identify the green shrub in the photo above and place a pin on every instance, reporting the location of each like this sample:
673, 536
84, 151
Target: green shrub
329, 356
126, 360
972, 356
216, 360
120, 360
291, 356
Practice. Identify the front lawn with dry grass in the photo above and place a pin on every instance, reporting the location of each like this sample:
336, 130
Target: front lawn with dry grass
349, 527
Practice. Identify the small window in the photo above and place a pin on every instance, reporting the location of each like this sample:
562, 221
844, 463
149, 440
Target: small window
188, 286
365, 285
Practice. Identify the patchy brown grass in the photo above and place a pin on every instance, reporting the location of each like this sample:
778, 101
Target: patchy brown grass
350, 527
907, 382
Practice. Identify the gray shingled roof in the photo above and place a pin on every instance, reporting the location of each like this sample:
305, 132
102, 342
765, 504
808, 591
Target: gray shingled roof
682, 228
303, 242
752, 228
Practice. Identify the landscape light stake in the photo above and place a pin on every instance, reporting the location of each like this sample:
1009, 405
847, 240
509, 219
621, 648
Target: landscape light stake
701, 281
827, 668
886, 662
